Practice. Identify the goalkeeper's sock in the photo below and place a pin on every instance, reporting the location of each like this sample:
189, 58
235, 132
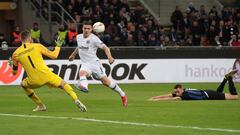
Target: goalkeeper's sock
114, 86
83, 83
33, 96
70, 92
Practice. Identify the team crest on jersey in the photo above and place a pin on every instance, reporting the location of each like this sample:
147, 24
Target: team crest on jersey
83, 47
88, 42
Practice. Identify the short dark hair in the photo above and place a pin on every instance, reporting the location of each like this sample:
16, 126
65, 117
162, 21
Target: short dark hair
177, 86
24, 35
35, 24
89, 22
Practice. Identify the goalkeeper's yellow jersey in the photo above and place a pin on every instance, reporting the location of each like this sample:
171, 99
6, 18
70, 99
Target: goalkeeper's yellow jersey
29, 55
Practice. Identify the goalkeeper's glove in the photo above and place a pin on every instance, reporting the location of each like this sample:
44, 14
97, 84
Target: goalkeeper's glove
59, 42
10, 62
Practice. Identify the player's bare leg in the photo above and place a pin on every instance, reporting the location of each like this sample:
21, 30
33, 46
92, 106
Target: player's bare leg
230, 96
67, 88
114, 86
34, 97
83, 82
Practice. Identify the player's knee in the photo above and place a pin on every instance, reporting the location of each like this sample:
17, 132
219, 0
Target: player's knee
23, 86
83, 73
106, 82
63, 83
31, 94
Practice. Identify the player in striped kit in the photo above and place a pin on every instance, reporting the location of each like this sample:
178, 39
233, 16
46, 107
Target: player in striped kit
180, 93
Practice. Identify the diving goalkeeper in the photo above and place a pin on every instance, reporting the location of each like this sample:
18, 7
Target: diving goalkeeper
29, 55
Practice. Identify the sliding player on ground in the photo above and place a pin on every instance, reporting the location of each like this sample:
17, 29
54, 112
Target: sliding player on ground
180, 93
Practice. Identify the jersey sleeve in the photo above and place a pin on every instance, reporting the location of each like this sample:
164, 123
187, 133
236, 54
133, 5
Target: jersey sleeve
48, 53
99, 43
15, 59
77, 39
15, 63
185, 96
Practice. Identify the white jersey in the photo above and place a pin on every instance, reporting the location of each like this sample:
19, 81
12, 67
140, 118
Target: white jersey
237, 77
87, 47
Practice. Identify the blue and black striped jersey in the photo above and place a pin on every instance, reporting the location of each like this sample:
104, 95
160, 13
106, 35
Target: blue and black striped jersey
194, 94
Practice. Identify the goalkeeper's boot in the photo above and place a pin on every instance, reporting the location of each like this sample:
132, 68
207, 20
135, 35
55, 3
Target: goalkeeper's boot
124, 101
81, 106
231, 73
40, 108
81, 88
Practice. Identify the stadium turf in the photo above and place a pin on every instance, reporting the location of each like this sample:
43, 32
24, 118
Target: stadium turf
106, 116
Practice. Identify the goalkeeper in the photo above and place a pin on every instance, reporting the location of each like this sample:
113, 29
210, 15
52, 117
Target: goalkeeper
29, 55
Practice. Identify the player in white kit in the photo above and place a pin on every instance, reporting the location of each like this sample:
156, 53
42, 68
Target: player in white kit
88, 43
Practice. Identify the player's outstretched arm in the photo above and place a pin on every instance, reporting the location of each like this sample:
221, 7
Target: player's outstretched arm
73, 55
13, 64
164, 98
48, 53
108, 54
160, 97
52, 54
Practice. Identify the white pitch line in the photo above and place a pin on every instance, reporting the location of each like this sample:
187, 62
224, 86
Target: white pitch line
122, 122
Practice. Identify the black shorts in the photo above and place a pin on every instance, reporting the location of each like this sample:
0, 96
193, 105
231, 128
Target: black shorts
214, 95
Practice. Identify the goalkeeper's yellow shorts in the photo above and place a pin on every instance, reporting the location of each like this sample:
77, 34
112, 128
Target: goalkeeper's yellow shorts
50, 79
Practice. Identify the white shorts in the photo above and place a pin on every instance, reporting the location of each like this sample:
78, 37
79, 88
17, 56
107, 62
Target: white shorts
96, 69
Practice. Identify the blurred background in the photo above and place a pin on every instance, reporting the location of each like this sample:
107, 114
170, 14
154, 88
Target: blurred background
164, 23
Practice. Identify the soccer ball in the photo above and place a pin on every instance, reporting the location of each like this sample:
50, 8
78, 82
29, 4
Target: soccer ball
98, 27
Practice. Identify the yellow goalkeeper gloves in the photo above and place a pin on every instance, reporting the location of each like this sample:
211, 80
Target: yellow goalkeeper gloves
10, 62
59, 42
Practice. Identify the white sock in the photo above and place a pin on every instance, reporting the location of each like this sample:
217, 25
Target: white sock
83, 82
116, 88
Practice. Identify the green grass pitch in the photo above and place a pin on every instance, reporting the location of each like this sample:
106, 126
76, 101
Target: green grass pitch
103, 104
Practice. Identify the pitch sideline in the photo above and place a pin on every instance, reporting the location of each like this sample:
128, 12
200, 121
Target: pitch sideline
121, 122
